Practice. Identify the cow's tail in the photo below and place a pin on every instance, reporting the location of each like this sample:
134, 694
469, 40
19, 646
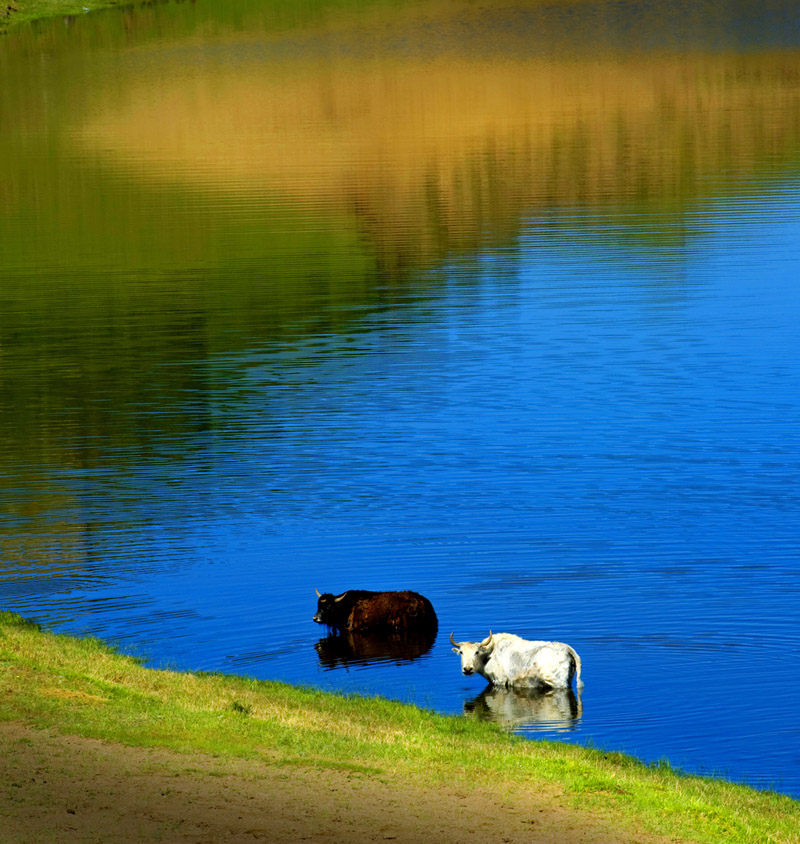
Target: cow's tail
577, 661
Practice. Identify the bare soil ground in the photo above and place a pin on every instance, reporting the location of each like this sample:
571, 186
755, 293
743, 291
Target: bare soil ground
65, 789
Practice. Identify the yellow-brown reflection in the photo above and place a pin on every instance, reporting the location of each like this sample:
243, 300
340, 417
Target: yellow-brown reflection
52, 543
431, 152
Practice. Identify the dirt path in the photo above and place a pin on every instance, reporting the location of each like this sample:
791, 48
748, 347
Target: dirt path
67, 789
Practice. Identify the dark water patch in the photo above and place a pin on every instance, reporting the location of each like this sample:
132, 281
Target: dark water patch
344, 650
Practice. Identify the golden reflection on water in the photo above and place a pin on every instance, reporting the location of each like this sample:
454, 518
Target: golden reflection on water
432, 148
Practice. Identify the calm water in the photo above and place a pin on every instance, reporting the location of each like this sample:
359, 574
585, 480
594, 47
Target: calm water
499, 304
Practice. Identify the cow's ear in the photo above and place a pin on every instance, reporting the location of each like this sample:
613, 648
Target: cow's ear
456, 651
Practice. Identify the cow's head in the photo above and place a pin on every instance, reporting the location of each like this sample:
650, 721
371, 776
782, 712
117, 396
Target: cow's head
474, 655
327, 608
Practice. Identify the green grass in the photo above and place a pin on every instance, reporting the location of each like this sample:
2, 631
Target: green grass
21, 11
82, 687
16, 12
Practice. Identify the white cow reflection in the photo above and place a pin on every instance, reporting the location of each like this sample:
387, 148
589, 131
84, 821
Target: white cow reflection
558, 709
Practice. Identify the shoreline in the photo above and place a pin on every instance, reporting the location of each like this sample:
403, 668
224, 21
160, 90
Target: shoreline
71, 707
19, 12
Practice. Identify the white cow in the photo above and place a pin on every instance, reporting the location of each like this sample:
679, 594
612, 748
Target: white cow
507, 660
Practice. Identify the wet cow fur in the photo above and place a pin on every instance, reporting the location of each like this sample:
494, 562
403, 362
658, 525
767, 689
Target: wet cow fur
507, 660
361, 611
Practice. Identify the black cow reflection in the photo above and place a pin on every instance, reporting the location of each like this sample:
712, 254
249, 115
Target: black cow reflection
558, 709
345, 649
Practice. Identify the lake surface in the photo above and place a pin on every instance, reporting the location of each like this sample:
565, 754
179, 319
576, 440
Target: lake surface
496, 303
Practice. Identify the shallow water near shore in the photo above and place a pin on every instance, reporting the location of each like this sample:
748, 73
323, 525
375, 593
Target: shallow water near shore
495, 304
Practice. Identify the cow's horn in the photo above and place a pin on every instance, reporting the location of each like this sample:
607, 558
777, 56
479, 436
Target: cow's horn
453, 642
487, 641
317, 591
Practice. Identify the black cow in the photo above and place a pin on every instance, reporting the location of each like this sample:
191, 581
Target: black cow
361, 611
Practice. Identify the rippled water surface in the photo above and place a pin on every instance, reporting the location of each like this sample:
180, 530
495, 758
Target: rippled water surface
498, 303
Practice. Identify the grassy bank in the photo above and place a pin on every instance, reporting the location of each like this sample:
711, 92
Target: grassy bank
81, 687
21, 11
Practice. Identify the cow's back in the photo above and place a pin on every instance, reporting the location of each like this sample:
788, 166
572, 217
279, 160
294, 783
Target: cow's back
393, 611
524, 663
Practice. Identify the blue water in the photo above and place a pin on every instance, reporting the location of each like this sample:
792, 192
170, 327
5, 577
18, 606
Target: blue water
573, 432
564, 444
